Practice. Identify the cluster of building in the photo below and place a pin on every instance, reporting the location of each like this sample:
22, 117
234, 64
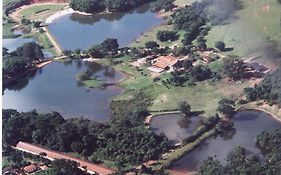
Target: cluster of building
158, 64
29, 169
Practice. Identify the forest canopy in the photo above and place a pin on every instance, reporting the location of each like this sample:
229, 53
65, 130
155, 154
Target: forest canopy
93, 6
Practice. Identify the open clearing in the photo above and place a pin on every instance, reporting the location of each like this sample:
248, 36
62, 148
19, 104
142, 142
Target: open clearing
38, 12
255, 32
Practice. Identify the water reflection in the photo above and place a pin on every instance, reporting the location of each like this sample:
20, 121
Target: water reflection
82, 31
55, 88
174, 126
247, 125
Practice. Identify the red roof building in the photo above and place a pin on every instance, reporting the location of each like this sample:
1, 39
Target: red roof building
163, 63
31, 168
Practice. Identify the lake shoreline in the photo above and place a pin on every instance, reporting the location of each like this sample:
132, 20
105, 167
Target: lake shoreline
32, 68
260, 110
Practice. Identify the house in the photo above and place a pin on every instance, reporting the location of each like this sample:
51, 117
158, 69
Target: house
163, 63
31, 168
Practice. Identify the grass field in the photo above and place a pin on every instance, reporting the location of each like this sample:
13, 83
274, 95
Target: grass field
93, 83
40, 12
254, 32
151, 35
7, 30
202, 97
43, 40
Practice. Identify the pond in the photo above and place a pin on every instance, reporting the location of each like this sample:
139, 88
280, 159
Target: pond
248, 124
74, 31
174, 126
55, 88
13, 43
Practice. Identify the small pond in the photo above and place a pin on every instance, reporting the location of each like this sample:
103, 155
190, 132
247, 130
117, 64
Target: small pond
174, 126
248, 124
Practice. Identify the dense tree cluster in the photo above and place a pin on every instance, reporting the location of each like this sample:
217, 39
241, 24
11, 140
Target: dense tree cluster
190, 19
124, 140
23, 57
227, 108
240, 161
108, 46
13, 5
190, 74
92, 6
234, 68
269, 89
185, 108
165, 5
151, 45
166, 35
200, 73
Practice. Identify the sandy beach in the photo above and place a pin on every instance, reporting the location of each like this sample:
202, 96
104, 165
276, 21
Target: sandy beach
61, 13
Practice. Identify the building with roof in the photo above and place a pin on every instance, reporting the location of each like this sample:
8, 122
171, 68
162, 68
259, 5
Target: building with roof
52, 155
163, 63
31, 168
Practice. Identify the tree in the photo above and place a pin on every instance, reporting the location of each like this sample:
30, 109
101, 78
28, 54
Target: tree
25, 21
200, 72
185, 108
202, 46
162, 5
187, 64
279, 1
110, 45
117, 5
88, 6
167, 35
78, 51
36, 24
5, 51
31, 51
226, 107
151, 45
67, 53
66, 167
14, 65
234, 68
96, 51
210, 166
220, 45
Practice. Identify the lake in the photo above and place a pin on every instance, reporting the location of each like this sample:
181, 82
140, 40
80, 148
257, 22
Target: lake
248, 124
82, 31
55, 88
174, 126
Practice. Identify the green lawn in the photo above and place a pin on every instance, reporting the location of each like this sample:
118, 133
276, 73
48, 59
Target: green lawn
43, 40
7, 30
40, 12
93, 83
202, 97
151, 35
255, 26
